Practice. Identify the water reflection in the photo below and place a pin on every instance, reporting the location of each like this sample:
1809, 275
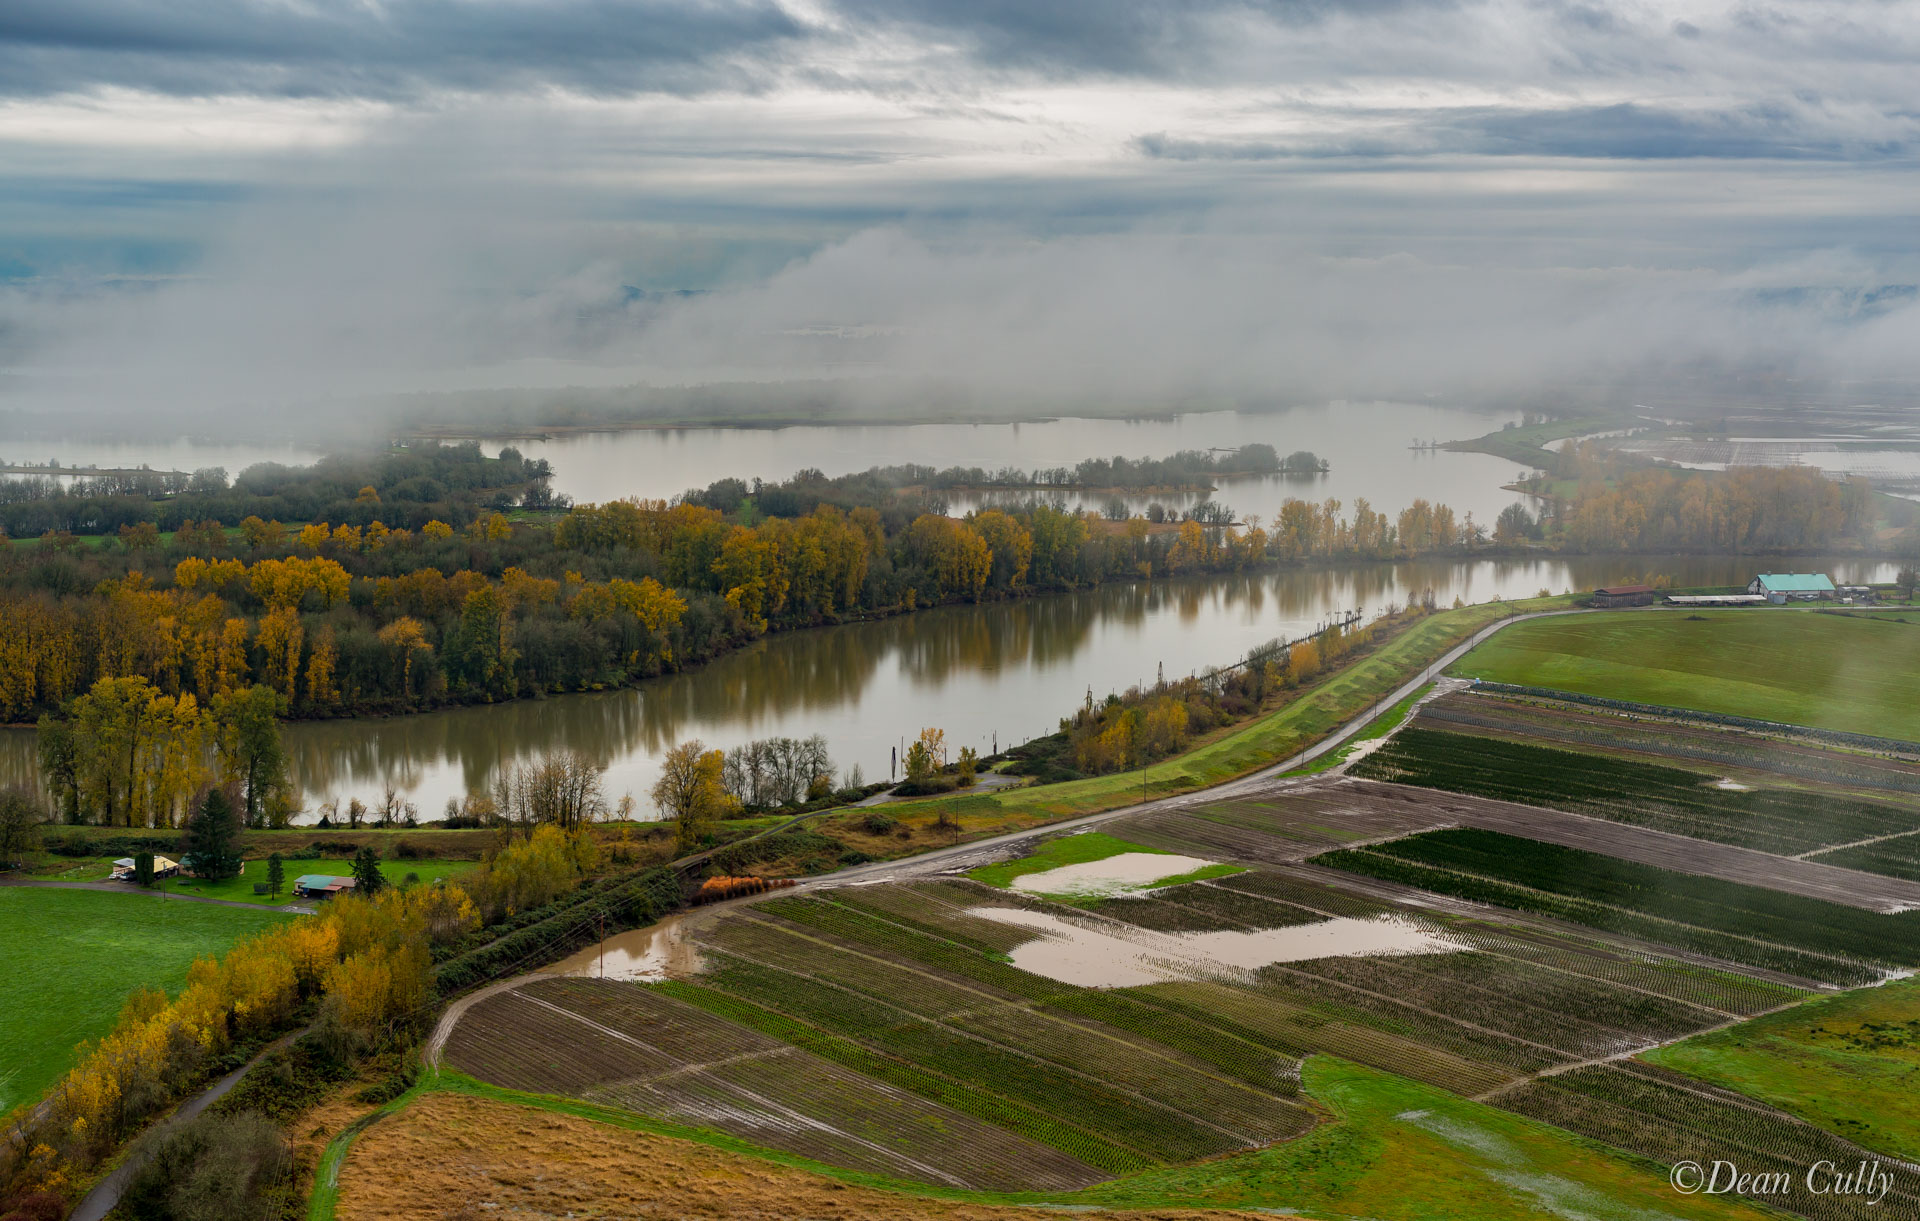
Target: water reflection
1368, 445
1000, 672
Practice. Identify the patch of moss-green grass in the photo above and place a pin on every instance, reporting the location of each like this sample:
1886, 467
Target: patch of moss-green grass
1851, 673
75, 955
240, 889
1848, 1063
1077, 849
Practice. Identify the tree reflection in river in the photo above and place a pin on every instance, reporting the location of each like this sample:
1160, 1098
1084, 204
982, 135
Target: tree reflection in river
1010, 669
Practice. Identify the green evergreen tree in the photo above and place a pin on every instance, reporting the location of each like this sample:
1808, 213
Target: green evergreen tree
212, 845
367, 878
143, 869
276, 875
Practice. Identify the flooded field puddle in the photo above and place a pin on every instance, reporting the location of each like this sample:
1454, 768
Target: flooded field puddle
1091, 953
660, 952
1128, 872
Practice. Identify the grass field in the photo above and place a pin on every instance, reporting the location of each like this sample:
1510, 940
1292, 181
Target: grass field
1850, 673
1848, 1063
89, 949
241, 888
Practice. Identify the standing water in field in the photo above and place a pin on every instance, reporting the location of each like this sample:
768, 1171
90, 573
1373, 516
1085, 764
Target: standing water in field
1113, 875
1101, 954
645, 954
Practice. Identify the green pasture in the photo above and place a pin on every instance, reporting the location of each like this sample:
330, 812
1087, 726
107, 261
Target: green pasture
76, 956
1848, 1063
1848, 672
240, 889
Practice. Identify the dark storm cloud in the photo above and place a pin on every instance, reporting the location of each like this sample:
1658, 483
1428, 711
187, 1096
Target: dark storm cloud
394, 50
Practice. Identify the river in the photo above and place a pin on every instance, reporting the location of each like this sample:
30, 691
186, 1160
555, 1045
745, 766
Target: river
1000, 672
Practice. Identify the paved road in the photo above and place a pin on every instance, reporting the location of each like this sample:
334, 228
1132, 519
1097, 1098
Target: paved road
1267, 779
123, 888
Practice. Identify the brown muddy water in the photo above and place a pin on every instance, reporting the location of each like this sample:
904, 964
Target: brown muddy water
1123, 873
1091, 953
661, 952
997, 673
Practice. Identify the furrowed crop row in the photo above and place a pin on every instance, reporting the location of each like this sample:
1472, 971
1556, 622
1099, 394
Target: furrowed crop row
1747, 923
1232, 1050
906, 907
1897, 858
1639, 1017
1723, 991
1161, 916
1743, 950
792, 949
856, 1121
861, 929
1302, 1029
967, 1098
1153, 1129
1647, 795
1398, 1017
1311, 895
682, 1035
1672, 1119
1148, 1069
1194, 835
1574, 1037
1155, 1075
1580, 729
1249, 910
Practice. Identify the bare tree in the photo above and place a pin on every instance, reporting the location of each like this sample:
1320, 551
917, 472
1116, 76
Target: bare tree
562, 787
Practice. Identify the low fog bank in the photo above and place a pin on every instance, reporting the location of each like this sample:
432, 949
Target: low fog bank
411, 319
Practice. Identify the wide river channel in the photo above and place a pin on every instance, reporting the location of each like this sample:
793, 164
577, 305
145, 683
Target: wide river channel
1000, 672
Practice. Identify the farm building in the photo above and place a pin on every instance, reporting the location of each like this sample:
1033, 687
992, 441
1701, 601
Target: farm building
163, 867
1792, 586
1623, 595
320, 885
1717, 599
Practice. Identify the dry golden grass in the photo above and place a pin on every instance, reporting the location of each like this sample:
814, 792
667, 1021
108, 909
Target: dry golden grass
451, 1157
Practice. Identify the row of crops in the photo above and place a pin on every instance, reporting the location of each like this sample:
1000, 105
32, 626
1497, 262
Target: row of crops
1751, 925
649, 1052
1585, 729
1672, 1118
1897, 858
1641, 794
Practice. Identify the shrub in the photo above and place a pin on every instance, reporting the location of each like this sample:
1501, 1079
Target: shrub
33, 1206
404, 849
877, 823
214, 1168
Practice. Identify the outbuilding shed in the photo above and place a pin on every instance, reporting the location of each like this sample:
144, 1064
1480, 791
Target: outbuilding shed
320, 885
1623, 595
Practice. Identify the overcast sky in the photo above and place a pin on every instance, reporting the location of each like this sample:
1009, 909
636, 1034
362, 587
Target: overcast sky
254, 200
